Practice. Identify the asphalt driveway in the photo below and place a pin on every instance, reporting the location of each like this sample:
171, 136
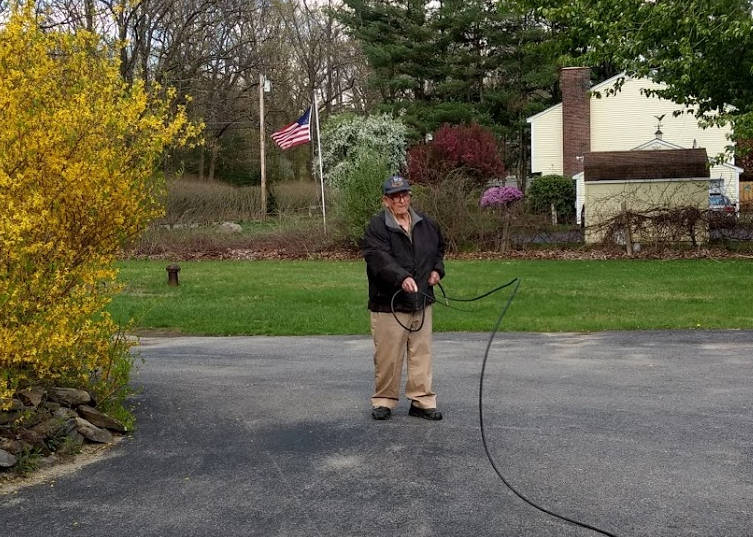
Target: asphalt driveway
639, 433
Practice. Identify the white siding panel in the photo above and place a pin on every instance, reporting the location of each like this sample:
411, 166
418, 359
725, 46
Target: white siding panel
626, 120
546, 141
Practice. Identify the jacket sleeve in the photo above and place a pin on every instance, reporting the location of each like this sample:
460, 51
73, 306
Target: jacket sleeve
377, 252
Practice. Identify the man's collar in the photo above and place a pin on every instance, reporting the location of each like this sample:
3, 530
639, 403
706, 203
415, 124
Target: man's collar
390, 221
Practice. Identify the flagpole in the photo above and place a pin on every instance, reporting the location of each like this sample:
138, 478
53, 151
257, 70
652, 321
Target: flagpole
261, 149
321, 173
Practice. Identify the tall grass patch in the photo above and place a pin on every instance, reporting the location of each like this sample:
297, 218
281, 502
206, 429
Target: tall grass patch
191, 201
204, 202
297, 197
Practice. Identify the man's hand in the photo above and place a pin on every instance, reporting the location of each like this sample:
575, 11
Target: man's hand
409, 285
434, 277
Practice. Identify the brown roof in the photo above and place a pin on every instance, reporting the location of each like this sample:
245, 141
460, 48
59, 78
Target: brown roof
653, 164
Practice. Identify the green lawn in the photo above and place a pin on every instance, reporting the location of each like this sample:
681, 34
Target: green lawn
329, 297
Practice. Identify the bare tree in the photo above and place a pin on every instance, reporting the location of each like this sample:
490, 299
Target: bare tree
214, 51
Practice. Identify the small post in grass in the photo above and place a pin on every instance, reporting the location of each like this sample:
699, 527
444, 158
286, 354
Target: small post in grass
172, 275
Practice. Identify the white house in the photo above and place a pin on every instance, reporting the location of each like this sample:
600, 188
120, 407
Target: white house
588, 120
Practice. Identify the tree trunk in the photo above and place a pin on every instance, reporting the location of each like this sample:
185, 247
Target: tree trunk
89, 13
506, 218
213, 159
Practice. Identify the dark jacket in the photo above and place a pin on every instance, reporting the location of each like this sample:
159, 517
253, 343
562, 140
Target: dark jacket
391, 256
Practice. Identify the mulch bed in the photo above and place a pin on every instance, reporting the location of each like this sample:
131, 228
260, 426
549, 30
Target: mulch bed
344, 253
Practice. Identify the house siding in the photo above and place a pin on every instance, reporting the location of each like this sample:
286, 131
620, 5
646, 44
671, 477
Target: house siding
620, 122
546, 141
606, 199
626, 119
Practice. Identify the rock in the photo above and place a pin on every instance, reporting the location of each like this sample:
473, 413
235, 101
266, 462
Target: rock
6, 459
12, 446
32, 438
73, 445
231, 226
30, 417
69, 396
48, 461
31, 396
51, 406
50, 427
92, 432
100, 419
65, 413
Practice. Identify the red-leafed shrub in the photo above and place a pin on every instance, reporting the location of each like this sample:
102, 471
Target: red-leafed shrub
470, 147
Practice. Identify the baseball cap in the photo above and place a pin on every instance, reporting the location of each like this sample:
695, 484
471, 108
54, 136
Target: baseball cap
395, 184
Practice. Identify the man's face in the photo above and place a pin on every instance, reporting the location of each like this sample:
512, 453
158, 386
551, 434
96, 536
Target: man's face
398, 203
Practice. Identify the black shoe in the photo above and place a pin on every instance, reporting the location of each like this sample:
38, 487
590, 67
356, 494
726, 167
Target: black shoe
426, 413
381, 413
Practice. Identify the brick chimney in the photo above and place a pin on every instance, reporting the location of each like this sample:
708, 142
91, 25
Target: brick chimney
576, 118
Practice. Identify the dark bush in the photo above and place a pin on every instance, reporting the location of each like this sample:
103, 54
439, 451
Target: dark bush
549, 189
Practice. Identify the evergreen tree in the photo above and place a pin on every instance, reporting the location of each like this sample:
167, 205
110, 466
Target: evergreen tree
460, 62
429, 61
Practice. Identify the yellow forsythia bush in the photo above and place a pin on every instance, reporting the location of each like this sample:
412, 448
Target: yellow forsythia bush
78, 152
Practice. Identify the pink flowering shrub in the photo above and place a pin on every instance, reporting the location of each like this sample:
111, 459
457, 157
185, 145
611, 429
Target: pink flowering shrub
502, 199
500, 196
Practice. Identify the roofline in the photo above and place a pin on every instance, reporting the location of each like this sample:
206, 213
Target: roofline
662, 142
728, 165
597, 87
550, 109
610, 81
675, 146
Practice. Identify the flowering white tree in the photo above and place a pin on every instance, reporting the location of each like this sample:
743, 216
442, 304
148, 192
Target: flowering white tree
347, 138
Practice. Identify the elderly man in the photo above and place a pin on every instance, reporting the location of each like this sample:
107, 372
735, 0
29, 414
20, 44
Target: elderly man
404, 253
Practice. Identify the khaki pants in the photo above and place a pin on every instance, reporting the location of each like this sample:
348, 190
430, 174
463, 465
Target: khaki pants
391, 345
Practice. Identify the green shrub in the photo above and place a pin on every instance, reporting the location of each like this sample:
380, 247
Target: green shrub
549, 189
360, 193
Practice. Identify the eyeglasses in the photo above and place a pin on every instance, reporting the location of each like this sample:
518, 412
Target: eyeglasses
399, 196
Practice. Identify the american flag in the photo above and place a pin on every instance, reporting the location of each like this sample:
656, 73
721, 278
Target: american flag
297, 133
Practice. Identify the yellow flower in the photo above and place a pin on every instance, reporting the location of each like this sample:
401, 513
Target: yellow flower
80, 151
